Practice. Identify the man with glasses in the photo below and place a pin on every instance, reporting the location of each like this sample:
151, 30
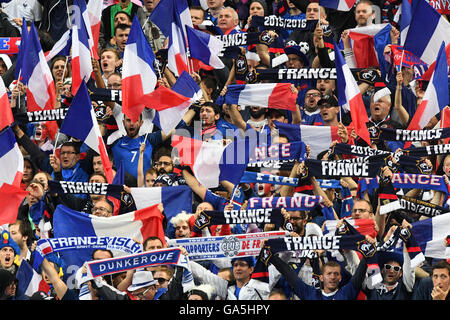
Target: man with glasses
102, 208
398, 276
310, 112
69, 166
329, 110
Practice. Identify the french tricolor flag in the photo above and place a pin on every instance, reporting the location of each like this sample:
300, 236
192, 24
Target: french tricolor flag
436, 96
183, 93
11, 159
92, 20
405, 20
81, 55
138, 77
37, 75
61, 47
172, 17
319, 138
368, 44
29, 280
6, 117
139, 225
427, 30
205, 48
80, 122
350, 98
174, 199
340, 5
211, 162
431, 235
266, 95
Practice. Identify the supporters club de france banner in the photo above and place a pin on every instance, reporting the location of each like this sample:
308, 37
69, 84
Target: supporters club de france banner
241, 245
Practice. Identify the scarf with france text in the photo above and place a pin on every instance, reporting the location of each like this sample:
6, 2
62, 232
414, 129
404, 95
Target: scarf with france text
414, 135
256, 216
288, 243
406, 181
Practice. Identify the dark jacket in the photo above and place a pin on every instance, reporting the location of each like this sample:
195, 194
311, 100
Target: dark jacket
54, 17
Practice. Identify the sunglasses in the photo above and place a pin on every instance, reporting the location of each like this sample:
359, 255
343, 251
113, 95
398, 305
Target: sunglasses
161, 280
395, 268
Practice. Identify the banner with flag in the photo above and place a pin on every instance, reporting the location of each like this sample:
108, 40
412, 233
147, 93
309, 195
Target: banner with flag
368, 45
138, 77
431, 235
266, 95
350, 95
427, 30
204, 47
6, 117
37, 75
29, 281
319, 138
174, 199
80, 122
138, 225
172, 17
340, 5
21, 49
11, 159
169, 118
81, 55
212, 162
436, 96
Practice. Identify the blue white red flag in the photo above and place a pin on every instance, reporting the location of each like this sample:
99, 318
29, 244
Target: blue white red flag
37, 75
81, 55
211, 162
436, 96
368, 44
80, 122
204, 47
11, 159
431, 235
172, 17
319, 138
266, 95
138, 77
350, 98
139, 225
340, 5
174, 199
168, 118
29, 280
427, 30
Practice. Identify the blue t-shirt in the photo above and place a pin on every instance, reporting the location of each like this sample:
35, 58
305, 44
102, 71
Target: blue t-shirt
311, 119
126, 149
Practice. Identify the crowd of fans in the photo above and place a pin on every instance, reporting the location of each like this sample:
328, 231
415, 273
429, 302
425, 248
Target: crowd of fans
149, 161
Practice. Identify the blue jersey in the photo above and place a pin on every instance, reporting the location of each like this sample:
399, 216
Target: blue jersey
126, 149
311, 118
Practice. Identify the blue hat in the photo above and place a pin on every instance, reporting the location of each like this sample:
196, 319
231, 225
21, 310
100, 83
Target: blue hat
296, 50
7, 241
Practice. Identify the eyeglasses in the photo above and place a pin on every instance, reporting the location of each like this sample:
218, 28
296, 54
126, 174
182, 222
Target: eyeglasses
295, 218
359, 210
163, 163
141, 294
66, 153
314, 95
101, 209
395, 268
161, 280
